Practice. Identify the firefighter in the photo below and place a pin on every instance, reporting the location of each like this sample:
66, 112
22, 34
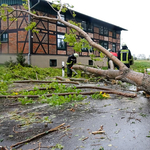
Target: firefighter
72, 59
124, 55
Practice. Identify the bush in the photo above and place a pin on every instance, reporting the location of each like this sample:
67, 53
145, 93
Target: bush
19, 60
10, 63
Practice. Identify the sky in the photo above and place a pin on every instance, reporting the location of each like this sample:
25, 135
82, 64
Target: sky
133, 15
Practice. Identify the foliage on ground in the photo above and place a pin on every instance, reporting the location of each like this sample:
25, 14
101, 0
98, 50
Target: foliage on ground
100, 95
18, 72
55, 99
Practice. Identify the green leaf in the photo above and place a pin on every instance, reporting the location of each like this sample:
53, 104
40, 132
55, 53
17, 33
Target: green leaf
4, 18
59, 146
148, 136
4, 5
1, 140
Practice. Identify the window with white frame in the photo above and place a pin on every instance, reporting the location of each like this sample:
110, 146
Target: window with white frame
60, 42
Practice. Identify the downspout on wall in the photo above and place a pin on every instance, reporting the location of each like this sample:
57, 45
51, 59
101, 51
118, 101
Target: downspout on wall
29, 32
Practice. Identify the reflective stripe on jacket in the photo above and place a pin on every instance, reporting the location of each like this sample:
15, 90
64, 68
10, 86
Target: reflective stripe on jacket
68, 63
124, 56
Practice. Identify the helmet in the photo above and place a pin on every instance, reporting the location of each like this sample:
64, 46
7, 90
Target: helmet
76, 55
124, 44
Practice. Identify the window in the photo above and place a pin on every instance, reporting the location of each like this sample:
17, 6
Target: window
84, 49
91, 62
4, 37
114, 34
63, 18
90, 27
53, 62
101, 43
101, 30
105, 31
104, 44
83, 25
91, 50
114, 47
60, 42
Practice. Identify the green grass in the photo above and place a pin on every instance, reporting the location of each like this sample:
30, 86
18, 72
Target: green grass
140, 65
8, 75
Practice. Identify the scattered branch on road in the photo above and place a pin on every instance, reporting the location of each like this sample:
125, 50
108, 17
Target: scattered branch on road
40, 81
72, 93
38, 135
100, 131
72, 79
78, 87
85, 138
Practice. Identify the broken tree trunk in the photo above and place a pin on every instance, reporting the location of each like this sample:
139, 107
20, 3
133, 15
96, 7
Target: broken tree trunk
141, 80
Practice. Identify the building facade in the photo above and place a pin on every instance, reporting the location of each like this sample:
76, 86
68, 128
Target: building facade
47, 48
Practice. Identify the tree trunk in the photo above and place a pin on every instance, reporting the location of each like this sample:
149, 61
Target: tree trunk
142, 81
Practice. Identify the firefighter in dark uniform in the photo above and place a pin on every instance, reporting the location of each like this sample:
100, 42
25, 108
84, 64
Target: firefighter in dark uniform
72, 59
124, 55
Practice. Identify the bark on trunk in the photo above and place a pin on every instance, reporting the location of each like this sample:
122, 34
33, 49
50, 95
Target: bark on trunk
141, 80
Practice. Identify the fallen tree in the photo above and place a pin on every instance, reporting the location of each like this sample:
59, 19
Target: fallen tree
142, 81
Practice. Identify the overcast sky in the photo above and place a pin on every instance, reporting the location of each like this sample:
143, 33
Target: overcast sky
133, 15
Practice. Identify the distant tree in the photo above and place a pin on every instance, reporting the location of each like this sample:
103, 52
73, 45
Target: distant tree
141, 56
134, 57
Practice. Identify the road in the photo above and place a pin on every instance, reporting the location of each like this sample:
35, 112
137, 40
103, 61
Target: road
125, 121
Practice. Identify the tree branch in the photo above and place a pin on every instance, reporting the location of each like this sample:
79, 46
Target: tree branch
72, 93
40, 81
36, 136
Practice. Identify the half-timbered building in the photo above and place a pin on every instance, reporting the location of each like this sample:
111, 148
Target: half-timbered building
47, 48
